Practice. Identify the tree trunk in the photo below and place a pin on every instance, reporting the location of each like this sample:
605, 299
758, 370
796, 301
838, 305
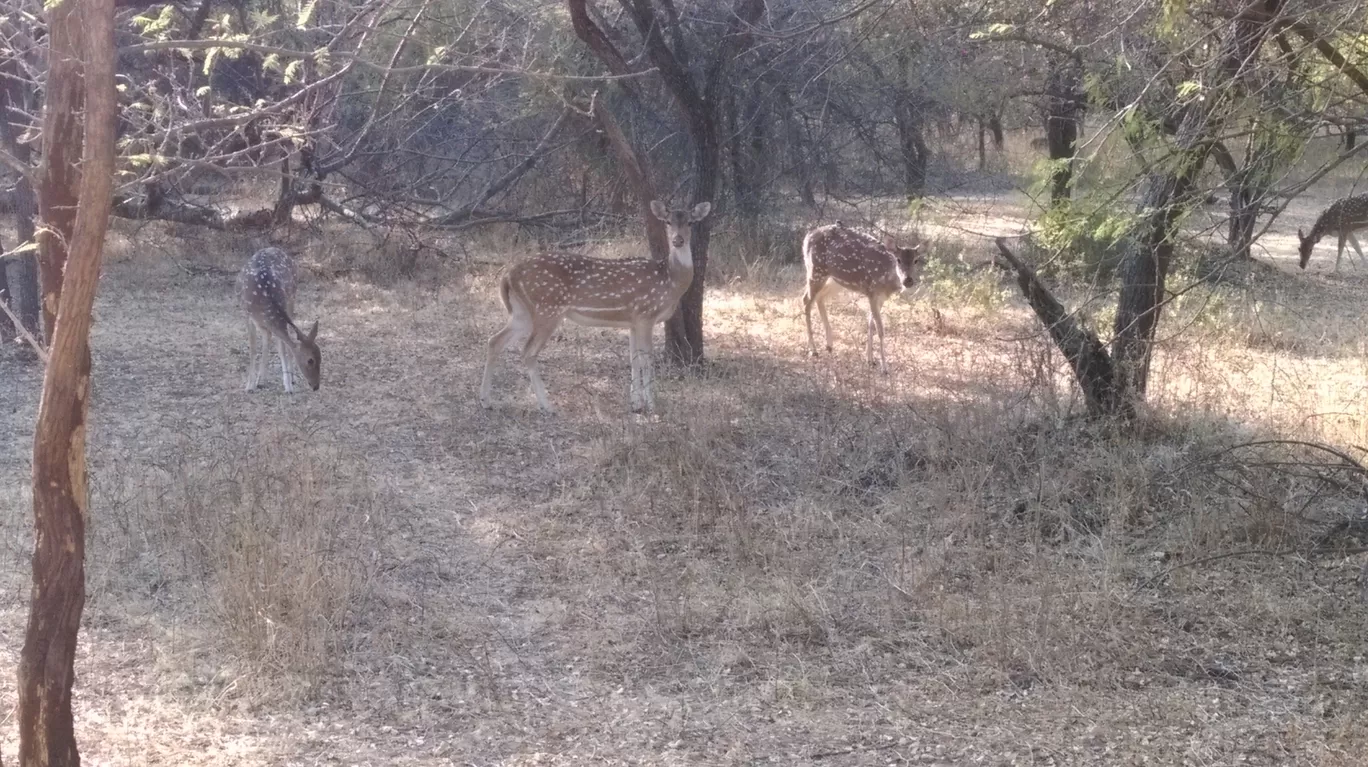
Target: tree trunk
6, 326
1064, 109
982, 145
684, 329
907, 114
797, 143
639, 179
915, 154
81, 63
1145, 266
16, 97
698, 108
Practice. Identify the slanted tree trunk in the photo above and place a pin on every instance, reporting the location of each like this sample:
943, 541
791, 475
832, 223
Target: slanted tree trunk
1114, 384
80, 82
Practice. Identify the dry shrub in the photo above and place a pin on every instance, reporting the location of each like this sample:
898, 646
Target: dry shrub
996, 539
271, 542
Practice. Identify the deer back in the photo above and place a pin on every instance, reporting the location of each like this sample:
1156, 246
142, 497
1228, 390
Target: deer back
267, 288
1346, 215
853, 259
610, 289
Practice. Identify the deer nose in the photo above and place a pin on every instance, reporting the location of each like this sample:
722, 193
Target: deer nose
679, 242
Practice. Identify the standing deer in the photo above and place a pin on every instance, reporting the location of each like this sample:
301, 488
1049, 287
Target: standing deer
266, 288
1343, 218
838, 255
618, 293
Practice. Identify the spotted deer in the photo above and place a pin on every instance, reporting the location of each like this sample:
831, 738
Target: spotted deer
1342, 218
266, 288
617, 293
838, 255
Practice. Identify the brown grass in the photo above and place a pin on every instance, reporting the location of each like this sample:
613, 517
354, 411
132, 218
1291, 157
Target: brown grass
796, 561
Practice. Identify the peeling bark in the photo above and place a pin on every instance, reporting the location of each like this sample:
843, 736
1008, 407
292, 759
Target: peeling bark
80, 74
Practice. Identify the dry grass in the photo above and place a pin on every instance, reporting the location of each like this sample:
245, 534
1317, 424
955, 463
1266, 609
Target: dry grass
797, 561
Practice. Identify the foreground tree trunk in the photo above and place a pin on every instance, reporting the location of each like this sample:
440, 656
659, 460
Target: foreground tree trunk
81, 58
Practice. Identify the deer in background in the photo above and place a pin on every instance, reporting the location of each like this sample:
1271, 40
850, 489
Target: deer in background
838, 255
1342, 218
617, 293
266, 288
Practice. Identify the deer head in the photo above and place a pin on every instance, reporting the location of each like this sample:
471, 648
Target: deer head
307, 355
1304, 249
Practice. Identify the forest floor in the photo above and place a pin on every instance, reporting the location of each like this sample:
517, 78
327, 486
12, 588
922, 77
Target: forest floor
796, 562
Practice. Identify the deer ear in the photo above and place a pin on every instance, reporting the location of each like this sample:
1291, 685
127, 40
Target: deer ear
313, 332
661, 212
1300, 235
700, 211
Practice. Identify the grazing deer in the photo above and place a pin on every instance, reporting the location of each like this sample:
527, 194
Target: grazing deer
1343, 218
836, 254
266, 288
618, 293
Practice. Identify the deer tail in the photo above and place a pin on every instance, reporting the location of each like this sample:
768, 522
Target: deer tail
505, 284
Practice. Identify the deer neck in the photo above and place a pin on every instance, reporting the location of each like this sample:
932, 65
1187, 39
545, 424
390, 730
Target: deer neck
680, 263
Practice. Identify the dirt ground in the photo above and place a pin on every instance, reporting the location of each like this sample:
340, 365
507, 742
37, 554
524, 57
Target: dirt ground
797, 562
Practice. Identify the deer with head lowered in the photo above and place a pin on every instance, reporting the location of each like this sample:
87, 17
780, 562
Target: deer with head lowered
635, 294
266, 288
1342, 218
838, 255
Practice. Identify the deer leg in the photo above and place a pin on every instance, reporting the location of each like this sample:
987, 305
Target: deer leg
286, 372
1352, 240
1339, 252
820, 298
641, 348
634, 362
538, 339
813, 291
497, 343
876, 316
869, 331
251, 355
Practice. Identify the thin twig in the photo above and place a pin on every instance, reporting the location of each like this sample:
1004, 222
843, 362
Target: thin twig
23, 331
